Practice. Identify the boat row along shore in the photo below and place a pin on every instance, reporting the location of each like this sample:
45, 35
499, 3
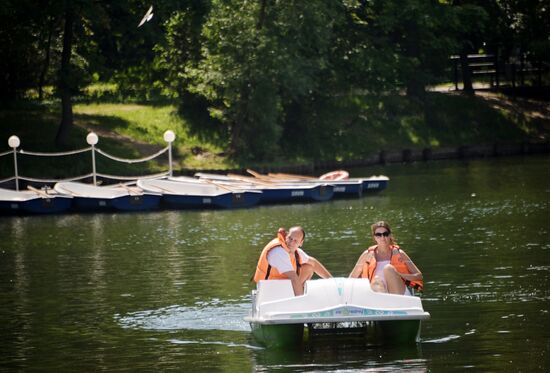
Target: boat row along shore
201, 191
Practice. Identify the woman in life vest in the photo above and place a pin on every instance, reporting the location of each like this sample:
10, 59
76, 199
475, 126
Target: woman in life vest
282, 259
386, 265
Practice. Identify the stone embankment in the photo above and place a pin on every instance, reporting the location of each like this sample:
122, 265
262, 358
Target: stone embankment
409, 155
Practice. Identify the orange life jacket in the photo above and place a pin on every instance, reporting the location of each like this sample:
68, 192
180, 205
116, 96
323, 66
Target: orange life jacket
397, 260
264, 271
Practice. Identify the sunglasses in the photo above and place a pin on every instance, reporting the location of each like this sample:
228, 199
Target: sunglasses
385, 234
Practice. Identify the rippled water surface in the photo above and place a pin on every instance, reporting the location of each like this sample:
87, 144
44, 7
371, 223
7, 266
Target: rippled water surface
169, 290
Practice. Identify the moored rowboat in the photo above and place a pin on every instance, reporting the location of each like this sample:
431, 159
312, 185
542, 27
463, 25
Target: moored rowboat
182, 193
275, 191
88, 197
371, 184
35, 201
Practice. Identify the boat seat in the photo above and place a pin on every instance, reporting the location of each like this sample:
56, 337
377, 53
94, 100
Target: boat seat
270, 290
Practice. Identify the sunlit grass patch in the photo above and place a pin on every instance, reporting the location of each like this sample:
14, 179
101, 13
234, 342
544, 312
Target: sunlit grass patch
147, 123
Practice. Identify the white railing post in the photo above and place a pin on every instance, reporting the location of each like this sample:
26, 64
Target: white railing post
92, 140
169, 137
14, 142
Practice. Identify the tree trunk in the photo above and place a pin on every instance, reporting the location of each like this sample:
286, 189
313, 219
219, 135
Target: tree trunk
466, 73
63, 132
261, 16
416, 88
414, 82
46, 65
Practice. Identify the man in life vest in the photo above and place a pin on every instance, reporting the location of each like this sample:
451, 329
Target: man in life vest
282, 258
388, 268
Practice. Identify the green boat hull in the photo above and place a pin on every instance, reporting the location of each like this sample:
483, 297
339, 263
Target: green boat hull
394, 332
391, 333
278, 335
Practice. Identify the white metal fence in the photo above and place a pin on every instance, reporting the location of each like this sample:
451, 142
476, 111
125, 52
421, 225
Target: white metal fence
92, 140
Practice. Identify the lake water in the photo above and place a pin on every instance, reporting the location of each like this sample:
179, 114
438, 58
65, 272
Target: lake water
168, 290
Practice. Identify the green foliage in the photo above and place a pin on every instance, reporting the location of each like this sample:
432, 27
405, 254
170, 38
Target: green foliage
26, 119
182, 47
256, 58
101, 92
23, 34
348, 127
356, 127
261, 80
138, 82
180, 52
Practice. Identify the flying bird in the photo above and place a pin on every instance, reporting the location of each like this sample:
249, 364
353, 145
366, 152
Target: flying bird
147, 17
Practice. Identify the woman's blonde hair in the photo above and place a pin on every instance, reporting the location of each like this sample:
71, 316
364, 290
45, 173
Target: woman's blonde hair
381, 224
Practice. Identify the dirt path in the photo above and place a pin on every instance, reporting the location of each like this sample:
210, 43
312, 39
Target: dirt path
143, 148
536, 112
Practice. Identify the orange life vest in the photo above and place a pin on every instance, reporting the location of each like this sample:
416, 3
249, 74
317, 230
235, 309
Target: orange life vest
397, 260
264, 271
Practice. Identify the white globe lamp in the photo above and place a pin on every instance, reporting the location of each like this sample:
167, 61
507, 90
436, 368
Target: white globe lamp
14, 141
92, 138
169, 136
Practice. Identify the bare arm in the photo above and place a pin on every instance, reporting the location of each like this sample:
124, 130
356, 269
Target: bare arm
319, 268
296, 285
356, 271
415, 274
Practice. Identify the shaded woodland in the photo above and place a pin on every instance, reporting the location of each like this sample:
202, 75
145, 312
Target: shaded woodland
262, 75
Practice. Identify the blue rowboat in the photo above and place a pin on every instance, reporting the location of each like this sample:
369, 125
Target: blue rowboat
342, 188
374, 184
281, 193
275, 192
347, 187
34, 201
181, 193
88, 197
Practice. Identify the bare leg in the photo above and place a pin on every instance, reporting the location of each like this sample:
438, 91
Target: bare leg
394, 281
378, 285
306, 272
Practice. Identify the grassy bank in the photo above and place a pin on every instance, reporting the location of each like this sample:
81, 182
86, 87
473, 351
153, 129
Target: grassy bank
142, 125
349, 129
124, 130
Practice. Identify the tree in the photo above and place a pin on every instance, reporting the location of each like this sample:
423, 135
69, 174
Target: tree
65, 86
415, 32
20, 32
528, 24
256, 57
468, 25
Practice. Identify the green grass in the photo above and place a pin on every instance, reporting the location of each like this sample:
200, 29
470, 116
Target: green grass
124, 130
147, 123
359, 127
36, 125
351, 128
140, 122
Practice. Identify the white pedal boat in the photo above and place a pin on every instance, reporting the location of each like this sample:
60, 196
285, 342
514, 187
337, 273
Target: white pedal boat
333, 306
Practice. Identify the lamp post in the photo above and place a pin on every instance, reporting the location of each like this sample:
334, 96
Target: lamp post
92, 140
14, 143
169, 137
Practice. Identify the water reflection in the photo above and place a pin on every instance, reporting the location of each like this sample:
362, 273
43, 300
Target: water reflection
338, 356
162, 290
